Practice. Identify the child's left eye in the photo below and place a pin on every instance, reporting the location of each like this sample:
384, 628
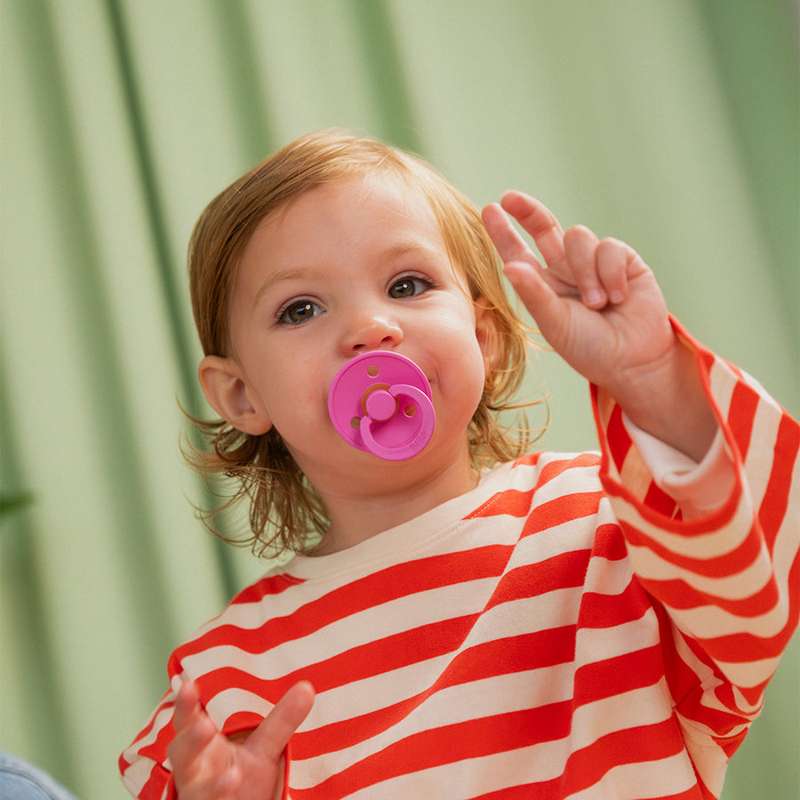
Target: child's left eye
409, 279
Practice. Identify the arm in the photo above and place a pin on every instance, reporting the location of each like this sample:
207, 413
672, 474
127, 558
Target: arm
725, 576
723, 572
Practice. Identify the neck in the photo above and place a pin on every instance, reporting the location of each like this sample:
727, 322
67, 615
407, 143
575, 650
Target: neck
356, 516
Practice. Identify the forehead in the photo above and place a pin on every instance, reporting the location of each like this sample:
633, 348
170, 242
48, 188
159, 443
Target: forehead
363, 212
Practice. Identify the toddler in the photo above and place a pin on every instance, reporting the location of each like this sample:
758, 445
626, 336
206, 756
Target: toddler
478, 620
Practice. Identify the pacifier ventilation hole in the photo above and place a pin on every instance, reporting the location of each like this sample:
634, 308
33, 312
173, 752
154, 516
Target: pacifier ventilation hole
409, 411
372, 371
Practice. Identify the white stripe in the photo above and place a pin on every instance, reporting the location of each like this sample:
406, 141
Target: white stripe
709, 759
474, 776
233, 701
750, 673
722, 381
370, 694
761, 451
598, 644
715, 543
708, 621
707, 681
559, 607
489, 697
649, 565
642, 780
405, 613
538, 762
605, 576
162, 719
250, 616
137, 775
499, 695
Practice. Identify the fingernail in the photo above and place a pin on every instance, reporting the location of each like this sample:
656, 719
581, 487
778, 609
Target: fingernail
594, 297
616, 296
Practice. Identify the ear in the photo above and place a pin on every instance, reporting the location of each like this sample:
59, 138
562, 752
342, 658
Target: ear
227, 391
486, 333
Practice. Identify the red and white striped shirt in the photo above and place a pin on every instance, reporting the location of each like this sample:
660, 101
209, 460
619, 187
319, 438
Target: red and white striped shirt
577, 626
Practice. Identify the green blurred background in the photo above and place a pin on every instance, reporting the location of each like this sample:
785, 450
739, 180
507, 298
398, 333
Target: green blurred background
672, 124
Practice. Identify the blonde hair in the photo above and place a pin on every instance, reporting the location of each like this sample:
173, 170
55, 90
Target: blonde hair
262, 466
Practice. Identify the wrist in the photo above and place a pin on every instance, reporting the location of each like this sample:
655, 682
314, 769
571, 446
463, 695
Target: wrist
667, 400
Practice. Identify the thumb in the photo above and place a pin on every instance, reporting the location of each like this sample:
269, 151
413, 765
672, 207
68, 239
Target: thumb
271, 736
543, 304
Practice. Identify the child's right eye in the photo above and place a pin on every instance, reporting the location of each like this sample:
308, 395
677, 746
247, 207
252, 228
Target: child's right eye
303, 305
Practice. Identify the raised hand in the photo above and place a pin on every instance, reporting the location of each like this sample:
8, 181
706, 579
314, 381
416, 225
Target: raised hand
206, 765
596, 302
599, 306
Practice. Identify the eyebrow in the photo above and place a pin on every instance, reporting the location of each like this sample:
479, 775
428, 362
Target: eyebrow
310, 272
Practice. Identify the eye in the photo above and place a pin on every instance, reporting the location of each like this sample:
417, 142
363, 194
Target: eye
303, 309
408, 281
299, 312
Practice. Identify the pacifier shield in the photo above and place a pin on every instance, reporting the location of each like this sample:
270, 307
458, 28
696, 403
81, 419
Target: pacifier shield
380, 402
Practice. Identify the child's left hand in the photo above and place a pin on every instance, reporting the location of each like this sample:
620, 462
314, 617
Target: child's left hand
599, 306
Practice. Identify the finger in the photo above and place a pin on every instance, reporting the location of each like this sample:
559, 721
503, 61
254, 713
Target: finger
188, 745
580, 244
612, 256
510, 245
270, 737
187, 704
545, 306
542, 225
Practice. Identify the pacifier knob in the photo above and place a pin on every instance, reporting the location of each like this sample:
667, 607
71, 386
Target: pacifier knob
364, 399
381, 405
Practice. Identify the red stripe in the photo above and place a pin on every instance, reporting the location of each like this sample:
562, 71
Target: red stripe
732, 743
678, 595
587, 766
558, 467
565, 570
510, 502
776, 495
741, 413
609, 610
609, 543
684, 683
616, 675
490, 659
716, 566
619, 440
446, 744
159, 708
529, 459
559, 510
517, 503
397, 581
659, 500
744, 647
271, 584
156, 783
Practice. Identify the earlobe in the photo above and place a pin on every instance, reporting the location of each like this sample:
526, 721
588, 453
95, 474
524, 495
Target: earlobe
228, 393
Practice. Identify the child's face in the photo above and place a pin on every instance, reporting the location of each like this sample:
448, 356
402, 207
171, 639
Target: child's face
357, 297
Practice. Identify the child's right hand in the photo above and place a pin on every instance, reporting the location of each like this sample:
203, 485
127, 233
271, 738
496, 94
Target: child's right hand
207, 765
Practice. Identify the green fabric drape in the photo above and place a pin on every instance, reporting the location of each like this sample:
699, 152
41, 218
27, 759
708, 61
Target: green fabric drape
673, 126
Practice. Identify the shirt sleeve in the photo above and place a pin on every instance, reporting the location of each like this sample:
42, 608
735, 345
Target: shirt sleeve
144, 765
716, 546
696, 488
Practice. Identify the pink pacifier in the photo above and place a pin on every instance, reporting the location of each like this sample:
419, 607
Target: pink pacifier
380, 402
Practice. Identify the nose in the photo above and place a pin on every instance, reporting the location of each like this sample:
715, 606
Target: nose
374, 333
